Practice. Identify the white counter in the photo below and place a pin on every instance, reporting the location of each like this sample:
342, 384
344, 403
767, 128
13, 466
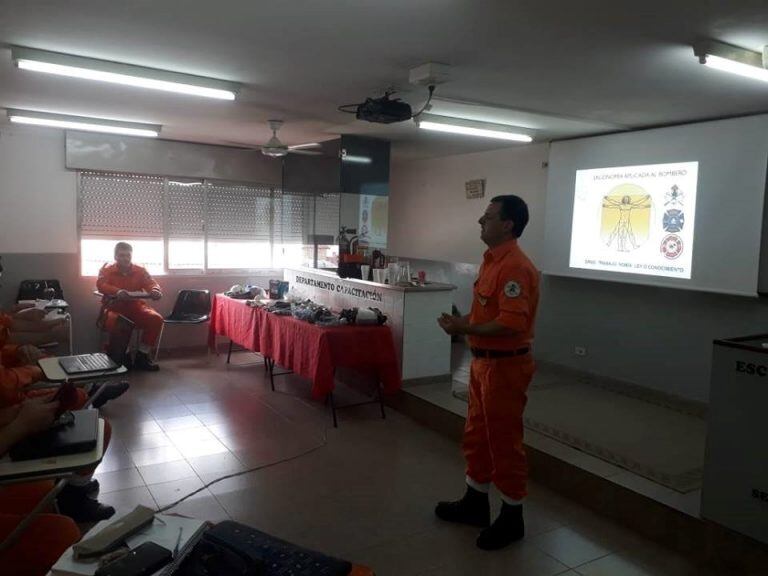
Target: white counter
424, 350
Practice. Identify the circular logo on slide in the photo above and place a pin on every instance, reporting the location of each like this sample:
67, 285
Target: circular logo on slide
673, 221
672, 246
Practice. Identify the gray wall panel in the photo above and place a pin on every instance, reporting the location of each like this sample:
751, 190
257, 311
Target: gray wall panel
87, 151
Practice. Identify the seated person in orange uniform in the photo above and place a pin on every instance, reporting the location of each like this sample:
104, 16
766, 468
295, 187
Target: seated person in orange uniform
19, 369
77, 498
115, 282
49, 535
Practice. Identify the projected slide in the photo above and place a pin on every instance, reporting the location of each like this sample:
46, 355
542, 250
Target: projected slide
635, 219
374, 220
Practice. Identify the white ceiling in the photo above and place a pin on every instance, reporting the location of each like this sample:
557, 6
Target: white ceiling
565, 67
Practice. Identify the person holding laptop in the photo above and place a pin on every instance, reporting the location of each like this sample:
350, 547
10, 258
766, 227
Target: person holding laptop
126, 288
49, 535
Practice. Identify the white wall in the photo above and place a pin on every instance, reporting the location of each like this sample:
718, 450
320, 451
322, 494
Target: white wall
38, 203
430, 216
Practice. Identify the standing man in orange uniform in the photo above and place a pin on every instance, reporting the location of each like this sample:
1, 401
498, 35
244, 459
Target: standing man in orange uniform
500, 331
115, 282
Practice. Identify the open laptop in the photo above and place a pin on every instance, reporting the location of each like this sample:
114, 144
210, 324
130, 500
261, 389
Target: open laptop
119, 339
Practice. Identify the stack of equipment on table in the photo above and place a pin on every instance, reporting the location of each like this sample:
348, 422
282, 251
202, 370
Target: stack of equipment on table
362, 316
279, 307
248, 292
313, 313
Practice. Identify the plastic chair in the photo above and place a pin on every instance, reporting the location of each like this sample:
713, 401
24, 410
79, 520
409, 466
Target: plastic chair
35, 289
191, 307
45, 290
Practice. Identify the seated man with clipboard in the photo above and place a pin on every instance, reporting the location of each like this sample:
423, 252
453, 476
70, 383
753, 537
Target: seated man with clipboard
126, 288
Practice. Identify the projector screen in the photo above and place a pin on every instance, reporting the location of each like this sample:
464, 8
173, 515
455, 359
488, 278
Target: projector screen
635, 219
679, 207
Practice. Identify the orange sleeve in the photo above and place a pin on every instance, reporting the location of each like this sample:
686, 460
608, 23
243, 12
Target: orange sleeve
514, 293
104, 283
148, 283
9, 357
7, 351
14, 380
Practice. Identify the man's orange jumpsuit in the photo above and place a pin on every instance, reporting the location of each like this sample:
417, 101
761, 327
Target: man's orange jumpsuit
50, 534
507, 291
111, 280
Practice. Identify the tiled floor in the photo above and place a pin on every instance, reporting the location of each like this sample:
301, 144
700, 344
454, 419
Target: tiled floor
441, 395
364, 491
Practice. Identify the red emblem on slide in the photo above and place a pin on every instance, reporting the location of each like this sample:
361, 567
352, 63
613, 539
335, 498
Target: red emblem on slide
672, 246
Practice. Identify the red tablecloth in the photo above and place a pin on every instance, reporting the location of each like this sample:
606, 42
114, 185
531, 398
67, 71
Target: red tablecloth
308, 350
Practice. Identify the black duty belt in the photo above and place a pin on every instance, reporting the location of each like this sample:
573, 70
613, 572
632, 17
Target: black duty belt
483, 353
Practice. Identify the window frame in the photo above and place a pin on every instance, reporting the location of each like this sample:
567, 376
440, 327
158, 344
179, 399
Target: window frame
274, 192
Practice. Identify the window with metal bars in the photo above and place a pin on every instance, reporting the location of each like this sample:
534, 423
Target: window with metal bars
178, 226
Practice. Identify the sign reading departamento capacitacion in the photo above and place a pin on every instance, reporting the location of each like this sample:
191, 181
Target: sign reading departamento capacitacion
339, 288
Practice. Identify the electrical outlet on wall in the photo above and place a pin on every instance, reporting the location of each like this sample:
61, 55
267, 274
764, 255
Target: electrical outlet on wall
580, 350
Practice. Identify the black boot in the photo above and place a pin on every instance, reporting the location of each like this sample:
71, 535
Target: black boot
92, 488
472, 509
144, 362
75, 502
507, 528
108, 392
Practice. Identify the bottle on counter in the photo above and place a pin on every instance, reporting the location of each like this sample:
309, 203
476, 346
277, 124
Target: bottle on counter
343, 244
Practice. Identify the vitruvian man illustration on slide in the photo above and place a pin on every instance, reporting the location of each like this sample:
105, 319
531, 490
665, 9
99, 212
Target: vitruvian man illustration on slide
626, 217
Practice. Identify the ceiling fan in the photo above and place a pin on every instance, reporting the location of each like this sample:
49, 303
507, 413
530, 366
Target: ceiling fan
274, 148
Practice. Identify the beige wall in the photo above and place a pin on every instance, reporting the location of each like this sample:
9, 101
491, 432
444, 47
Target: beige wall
38, 203
430, 216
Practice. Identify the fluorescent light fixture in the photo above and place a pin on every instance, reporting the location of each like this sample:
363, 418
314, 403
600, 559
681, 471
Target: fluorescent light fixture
125, 74
355, 159
302, 146
466, 127
731, 59
180, 183
83, 123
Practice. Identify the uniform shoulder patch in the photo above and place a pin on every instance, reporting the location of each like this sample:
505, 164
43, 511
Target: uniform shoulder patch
512, 289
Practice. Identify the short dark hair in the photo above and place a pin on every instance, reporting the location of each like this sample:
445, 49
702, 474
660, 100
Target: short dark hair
123, 246
513, 208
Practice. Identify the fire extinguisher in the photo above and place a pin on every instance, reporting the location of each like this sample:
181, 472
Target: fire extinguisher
343, 244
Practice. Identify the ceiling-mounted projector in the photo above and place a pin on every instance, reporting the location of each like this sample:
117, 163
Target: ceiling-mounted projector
386, 110
383, 110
